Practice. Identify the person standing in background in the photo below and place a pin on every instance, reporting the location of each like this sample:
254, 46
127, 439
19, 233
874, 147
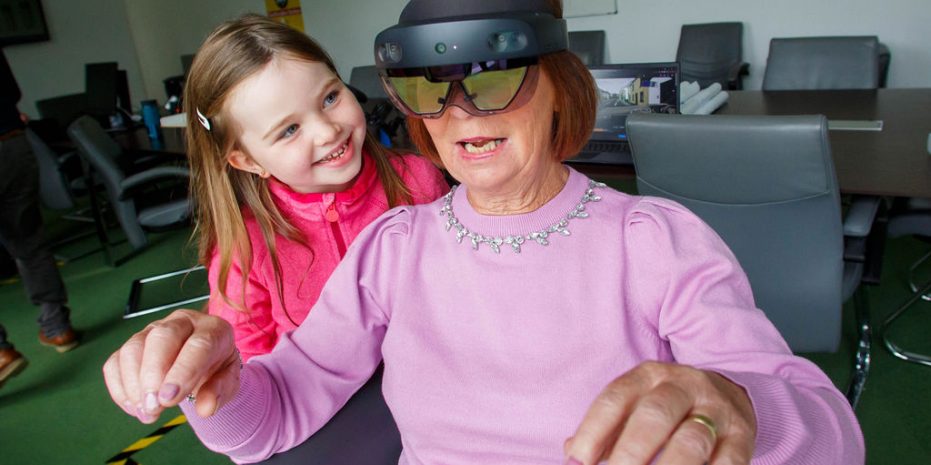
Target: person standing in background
21, 232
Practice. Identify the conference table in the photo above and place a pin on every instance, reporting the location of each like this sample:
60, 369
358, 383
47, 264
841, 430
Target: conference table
891, 162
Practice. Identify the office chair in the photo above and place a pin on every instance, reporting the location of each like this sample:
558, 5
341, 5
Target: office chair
59, 185
363, 432
712, 52
137, 208
589, 46
914, 219
766, 185
153, 199
366, 79
885, 56
817, 63
384, 120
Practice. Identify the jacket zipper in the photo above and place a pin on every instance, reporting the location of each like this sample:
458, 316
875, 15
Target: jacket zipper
332, 217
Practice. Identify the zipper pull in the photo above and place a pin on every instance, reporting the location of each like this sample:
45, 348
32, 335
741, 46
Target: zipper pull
331, 214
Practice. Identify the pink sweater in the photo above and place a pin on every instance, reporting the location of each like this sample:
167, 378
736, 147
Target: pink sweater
329, 222
494, 358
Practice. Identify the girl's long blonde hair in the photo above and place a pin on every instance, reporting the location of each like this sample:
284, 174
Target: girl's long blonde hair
234, 51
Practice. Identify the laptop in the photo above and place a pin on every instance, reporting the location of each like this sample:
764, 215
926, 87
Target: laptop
624, 89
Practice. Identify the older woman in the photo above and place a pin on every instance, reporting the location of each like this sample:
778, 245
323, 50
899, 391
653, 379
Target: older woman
506, 339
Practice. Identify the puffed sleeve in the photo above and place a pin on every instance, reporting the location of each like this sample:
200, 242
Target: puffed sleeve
290, 393
689, 286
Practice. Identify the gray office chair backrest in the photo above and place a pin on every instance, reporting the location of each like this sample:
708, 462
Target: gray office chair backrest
101, 152
98, 149
589, 46
813, 63
709, 52
53, 184
766, 185
365, 78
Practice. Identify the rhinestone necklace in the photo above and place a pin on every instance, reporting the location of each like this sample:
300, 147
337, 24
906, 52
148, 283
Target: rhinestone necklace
539, 236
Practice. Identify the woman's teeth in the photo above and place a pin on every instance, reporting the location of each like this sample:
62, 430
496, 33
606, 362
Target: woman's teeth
335, 155
483, 146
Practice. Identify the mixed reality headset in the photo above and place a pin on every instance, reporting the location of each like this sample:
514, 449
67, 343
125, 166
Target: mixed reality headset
485, 50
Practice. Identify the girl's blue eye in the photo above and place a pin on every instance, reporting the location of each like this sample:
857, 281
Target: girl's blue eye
290, 130
330, 98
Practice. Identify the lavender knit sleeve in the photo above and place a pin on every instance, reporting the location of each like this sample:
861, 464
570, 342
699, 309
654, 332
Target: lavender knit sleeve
687, 285
287, 395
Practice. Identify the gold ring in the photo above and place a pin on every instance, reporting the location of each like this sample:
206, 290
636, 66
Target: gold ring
707, 423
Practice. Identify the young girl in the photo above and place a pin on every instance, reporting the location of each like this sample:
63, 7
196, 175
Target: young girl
284, 174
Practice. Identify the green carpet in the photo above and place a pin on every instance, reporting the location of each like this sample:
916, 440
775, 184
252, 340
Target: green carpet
58, 411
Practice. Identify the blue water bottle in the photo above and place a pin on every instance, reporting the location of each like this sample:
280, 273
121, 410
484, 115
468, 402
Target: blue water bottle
152, 119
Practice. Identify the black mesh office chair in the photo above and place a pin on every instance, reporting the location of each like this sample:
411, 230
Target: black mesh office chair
766, 185
712, 52
913, 218
818, 63
589, 46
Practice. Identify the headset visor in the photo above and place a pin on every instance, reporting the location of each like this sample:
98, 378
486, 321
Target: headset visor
488, 87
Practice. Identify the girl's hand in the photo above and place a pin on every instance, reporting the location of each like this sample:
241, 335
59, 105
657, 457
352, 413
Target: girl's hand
187, 352
675, 413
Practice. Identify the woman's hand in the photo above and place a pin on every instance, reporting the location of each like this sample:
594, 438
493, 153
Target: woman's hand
187, 352
676, 413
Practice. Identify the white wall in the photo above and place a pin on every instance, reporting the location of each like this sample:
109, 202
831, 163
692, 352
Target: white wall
638, 33
163, 30
85, 31
903, 25
147, 37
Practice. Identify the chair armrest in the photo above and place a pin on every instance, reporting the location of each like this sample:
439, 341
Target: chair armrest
860, 216
152, 175
735, 73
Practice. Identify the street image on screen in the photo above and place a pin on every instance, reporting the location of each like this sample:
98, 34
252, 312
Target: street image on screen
625, 89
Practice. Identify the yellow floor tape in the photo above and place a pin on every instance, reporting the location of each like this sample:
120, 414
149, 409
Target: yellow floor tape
125, 456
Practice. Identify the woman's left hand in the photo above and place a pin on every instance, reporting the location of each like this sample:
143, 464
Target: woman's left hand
675, 413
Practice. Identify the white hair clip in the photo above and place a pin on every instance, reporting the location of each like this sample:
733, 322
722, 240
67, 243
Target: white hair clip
203, 119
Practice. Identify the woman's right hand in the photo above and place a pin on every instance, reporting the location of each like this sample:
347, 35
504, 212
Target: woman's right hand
187, 352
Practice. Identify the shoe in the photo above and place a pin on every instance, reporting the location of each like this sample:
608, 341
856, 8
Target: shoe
11, 364
62, 342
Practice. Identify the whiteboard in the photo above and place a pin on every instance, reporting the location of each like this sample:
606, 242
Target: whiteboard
576, 8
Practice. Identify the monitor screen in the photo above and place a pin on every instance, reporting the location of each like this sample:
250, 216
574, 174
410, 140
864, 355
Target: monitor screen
627, 88
101, 87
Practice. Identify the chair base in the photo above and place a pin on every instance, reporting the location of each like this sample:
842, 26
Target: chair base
135, 294
911, 276
894, 348
861, 366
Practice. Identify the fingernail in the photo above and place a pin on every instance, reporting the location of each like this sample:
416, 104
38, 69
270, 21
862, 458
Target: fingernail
128, 408
168, 392
151, 402
572, 461
144, 417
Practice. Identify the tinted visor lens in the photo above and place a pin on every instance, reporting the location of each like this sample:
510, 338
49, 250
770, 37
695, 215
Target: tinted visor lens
420, 95
489, 86
494, 90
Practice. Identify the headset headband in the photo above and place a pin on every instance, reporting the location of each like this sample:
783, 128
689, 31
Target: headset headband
469, 39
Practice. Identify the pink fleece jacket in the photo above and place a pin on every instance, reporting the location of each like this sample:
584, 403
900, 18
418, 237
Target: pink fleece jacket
493, 358
329, 222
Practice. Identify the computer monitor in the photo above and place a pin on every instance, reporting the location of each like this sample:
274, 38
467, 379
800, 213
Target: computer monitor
624, 89
101, 87
628, 88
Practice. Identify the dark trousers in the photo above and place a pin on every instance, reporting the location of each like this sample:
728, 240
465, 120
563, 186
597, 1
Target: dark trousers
21, 234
